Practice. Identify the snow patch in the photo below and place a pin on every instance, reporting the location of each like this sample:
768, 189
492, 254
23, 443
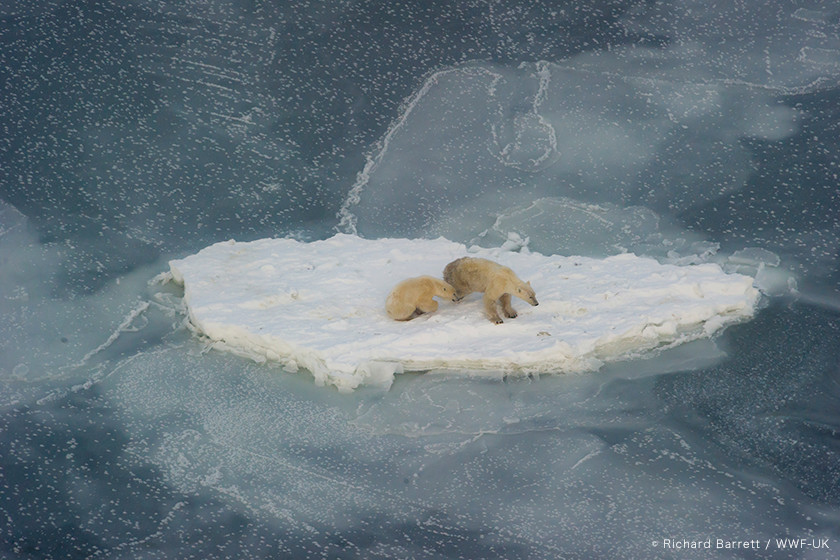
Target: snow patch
320, 306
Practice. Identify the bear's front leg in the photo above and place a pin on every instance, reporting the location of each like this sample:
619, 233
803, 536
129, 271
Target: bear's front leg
507, 308
491, 309
427, 306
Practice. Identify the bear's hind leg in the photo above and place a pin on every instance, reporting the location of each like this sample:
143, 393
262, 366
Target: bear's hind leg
507, 308
399, 311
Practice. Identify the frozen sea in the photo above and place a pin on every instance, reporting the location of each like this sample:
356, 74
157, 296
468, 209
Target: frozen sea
137, 133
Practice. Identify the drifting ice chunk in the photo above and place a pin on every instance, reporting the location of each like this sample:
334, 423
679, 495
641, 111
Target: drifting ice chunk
321, 306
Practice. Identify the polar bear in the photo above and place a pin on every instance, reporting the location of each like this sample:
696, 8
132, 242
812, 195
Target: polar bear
413, 297
468, 275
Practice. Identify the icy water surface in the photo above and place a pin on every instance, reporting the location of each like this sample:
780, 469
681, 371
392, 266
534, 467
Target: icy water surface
138, 132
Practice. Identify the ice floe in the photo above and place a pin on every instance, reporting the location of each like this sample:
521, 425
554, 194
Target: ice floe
319, 306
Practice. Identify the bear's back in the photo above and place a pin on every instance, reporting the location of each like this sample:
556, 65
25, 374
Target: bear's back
475, 273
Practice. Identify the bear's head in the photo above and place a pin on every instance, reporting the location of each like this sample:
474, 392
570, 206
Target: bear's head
525, 292
447, 291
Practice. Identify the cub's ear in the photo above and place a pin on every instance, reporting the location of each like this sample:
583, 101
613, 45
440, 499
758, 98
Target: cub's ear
529, 283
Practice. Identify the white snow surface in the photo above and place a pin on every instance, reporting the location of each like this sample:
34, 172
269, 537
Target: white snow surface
320, 306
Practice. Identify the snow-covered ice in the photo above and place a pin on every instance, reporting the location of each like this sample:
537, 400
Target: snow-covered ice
320, 306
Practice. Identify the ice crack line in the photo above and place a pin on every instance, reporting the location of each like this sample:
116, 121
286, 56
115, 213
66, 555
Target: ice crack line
163, 526
347, 220
363, 489
123, 327
532, 121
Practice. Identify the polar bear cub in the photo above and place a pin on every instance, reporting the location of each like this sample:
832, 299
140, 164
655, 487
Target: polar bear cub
413, 297
469, 274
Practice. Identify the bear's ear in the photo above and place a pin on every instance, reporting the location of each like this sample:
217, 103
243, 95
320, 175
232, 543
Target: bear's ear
529, 283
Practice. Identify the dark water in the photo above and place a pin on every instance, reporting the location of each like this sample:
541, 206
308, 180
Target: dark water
133, 133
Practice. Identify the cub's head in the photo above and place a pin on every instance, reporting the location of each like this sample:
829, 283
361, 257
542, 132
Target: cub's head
526, 293
445, 290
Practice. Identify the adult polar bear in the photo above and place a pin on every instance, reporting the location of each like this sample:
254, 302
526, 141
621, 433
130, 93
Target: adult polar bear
470, 274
